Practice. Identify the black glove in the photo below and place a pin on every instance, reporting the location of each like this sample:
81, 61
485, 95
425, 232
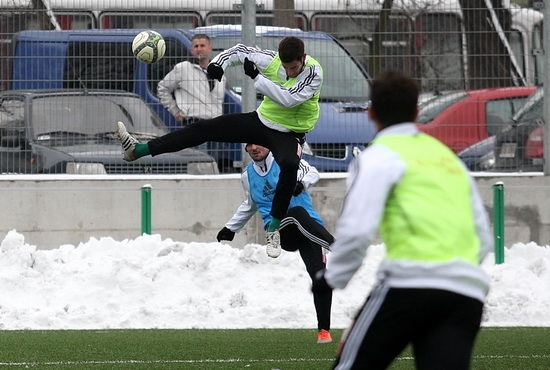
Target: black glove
320, 285
250, 68
225, 234
298, 189
215, 71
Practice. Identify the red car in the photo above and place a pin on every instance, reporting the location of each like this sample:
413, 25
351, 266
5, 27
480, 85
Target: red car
462, 118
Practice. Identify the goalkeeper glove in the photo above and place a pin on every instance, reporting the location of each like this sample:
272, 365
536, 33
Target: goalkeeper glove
298, 189
215, 71
250, 68
225, 234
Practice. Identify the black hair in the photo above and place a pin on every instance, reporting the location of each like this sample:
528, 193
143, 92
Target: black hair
291, 48
394, 98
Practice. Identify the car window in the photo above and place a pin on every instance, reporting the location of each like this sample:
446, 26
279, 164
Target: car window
99, 65
532, 109
430, 110
500, 112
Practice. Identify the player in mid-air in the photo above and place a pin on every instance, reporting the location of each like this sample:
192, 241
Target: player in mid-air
290, 81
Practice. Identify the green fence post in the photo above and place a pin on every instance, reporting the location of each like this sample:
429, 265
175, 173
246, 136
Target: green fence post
146, 209
498, 221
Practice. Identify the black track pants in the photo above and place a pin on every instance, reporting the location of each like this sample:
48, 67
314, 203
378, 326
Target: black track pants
440, 325
301, 232
242, 128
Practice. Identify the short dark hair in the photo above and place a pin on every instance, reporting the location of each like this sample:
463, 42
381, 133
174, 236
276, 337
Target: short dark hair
291, 48
200, 36
394, 98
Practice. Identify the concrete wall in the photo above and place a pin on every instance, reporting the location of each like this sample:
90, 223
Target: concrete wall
52, 211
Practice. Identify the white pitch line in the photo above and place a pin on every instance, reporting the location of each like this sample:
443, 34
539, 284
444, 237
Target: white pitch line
232, 360
120, 362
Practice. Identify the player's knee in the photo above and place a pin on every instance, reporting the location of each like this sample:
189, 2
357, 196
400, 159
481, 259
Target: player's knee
289, 164
297, 212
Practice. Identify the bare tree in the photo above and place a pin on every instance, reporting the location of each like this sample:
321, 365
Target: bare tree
283, 13
489, 60
46, 19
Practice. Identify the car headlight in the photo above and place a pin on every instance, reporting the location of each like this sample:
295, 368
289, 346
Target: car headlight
202, 168
487, 162
86, 168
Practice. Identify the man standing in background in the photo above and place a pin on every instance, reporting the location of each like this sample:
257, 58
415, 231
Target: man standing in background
188, 92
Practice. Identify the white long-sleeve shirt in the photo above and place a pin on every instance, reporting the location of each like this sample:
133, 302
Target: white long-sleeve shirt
307, 85
307, 175
188, 83
372, 176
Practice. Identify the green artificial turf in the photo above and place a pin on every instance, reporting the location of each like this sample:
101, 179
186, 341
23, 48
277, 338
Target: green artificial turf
496, 348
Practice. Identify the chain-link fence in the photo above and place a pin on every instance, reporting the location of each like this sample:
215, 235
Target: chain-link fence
446, 45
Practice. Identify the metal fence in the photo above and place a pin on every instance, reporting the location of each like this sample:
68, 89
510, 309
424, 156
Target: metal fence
446, 45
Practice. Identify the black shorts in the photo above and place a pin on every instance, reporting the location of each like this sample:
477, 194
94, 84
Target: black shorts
440, 325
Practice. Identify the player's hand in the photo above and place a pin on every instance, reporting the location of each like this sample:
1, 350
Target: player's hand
250, 68
215, 71
225, 234
298, 189
320, 284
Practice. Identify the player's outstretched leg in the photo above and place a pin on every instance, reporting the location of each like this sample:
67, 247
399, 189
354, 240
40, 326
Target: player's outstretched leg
128, 142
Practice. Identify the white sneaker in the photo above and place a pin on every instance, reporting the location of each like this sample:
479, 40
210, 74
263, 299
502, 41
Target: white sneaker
128, 142
273, 248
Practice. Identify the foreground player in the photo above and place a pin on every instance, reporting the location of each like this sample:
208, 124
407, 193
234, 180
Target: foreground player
301, 228
431, 289
291, 83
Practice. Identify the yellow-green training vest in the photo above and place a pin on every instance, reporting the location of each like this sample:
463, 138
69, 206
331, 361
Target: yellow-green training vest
301, 118
414, 225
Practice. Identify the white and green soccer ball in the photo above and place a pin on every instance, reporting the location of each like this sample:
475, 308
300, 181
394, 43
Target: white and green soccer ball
148, 46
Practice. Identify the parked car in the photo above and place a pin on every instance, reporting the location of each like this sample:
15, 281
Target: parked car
102, 58
72, 131
520, 145
480, 156
463, 118
427, 96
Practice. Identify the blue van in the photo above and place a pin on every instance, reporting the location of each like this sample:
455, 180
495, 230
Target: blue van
102, 59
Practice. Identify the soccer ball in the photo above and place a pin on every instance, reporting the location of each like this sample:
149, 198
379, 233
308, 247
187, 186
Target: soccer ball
148, 46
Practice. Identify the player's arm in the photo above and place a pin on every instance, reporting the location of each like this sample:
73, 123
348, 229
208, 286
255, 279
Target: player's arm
246, 210
482, 225
236, 55
307, 177
307, 85
167, 86
377, 169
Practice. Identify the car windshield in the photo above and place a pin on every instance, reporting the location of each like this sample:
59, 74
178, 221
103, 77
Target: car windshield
434, 107
343, 80
532, 109
92, 115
